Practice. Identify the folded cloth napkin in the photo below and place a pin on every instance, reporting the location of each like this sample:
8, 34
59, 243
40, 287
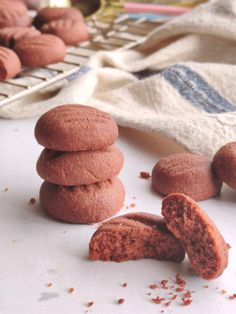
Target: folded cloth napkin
180, 83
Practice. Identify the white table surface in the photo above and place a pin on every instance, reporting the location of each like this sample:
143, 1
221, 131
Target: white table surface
36, 250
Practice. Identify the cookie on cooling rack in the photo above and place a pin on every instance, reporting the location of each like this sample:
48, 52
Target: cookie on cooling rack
39, 51
49, 14
72, 32
13, 13
9, 36
9, 64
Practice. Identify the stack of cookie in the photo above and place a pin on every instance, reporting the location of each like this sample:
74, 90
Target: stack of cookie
79, 164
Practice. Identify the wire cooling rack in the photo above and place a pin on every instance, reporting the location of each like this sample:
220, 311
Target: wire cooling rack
122, 33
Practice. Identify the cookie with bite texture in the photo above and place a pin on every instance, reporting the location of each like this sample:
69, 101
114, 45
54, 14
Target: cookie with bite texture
202, 241
135, 236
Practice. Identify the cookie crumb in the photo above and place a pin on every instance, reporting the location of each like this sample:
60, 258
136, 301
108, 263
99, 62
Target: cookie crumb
222, 291
233, 296
174, 297
228, 246
121, 301
186, 301
71, 290
164, 284
167, 303
5, 190
179, 289
187, 295
144, 175
89, 304
132, 205
124, 284
49, 284
153, 286
32, 201
206, 286
158, 300
180, 281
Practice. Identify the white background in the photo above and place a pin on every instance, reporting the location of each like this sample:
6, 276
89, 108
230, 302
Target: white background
36, 250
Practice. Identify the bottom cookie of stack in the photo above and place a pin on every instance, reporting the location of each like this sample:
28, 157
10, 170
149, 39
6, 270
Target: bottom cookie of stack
84, 204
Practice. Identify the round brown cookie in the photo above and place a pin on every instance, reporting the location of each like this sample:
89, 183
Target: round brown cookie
31, 4
224, 163
13, 13
79, 168
85, 204
186, 173
49, 14
135, 236
10, 64
72, 32
14, 5
202, 241
41, 50
76, 128
10, 35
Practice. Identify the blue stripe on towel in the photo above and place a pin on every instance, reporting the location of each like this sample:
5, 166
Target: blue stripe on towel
79, 72
196, 90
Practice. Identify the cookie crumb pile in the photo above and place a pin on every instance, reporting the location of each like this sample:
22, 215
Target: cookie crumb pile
79, 164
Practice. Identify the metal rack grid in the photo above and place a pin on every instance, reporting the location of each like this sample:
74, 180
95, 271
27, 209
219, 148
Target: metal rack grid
122, 33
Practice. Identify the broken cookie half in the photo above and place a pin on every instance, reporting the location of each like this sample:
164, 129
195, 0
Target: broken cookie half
202, 241
135, 236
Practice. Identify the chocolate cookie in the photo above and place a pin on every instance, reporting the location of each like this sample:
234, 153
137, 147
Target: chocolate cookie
186, 173
224, 163
31, 4
13, 13
202, 241
16, 6
135, 236
49, 14
9, 36
75, 128
79, 168
39, 51
85, 204
10, 64
72, 32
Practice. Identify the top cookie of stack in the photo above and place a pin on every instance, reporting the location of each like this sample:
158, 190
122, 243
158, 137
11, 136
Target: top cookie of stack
79, 164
